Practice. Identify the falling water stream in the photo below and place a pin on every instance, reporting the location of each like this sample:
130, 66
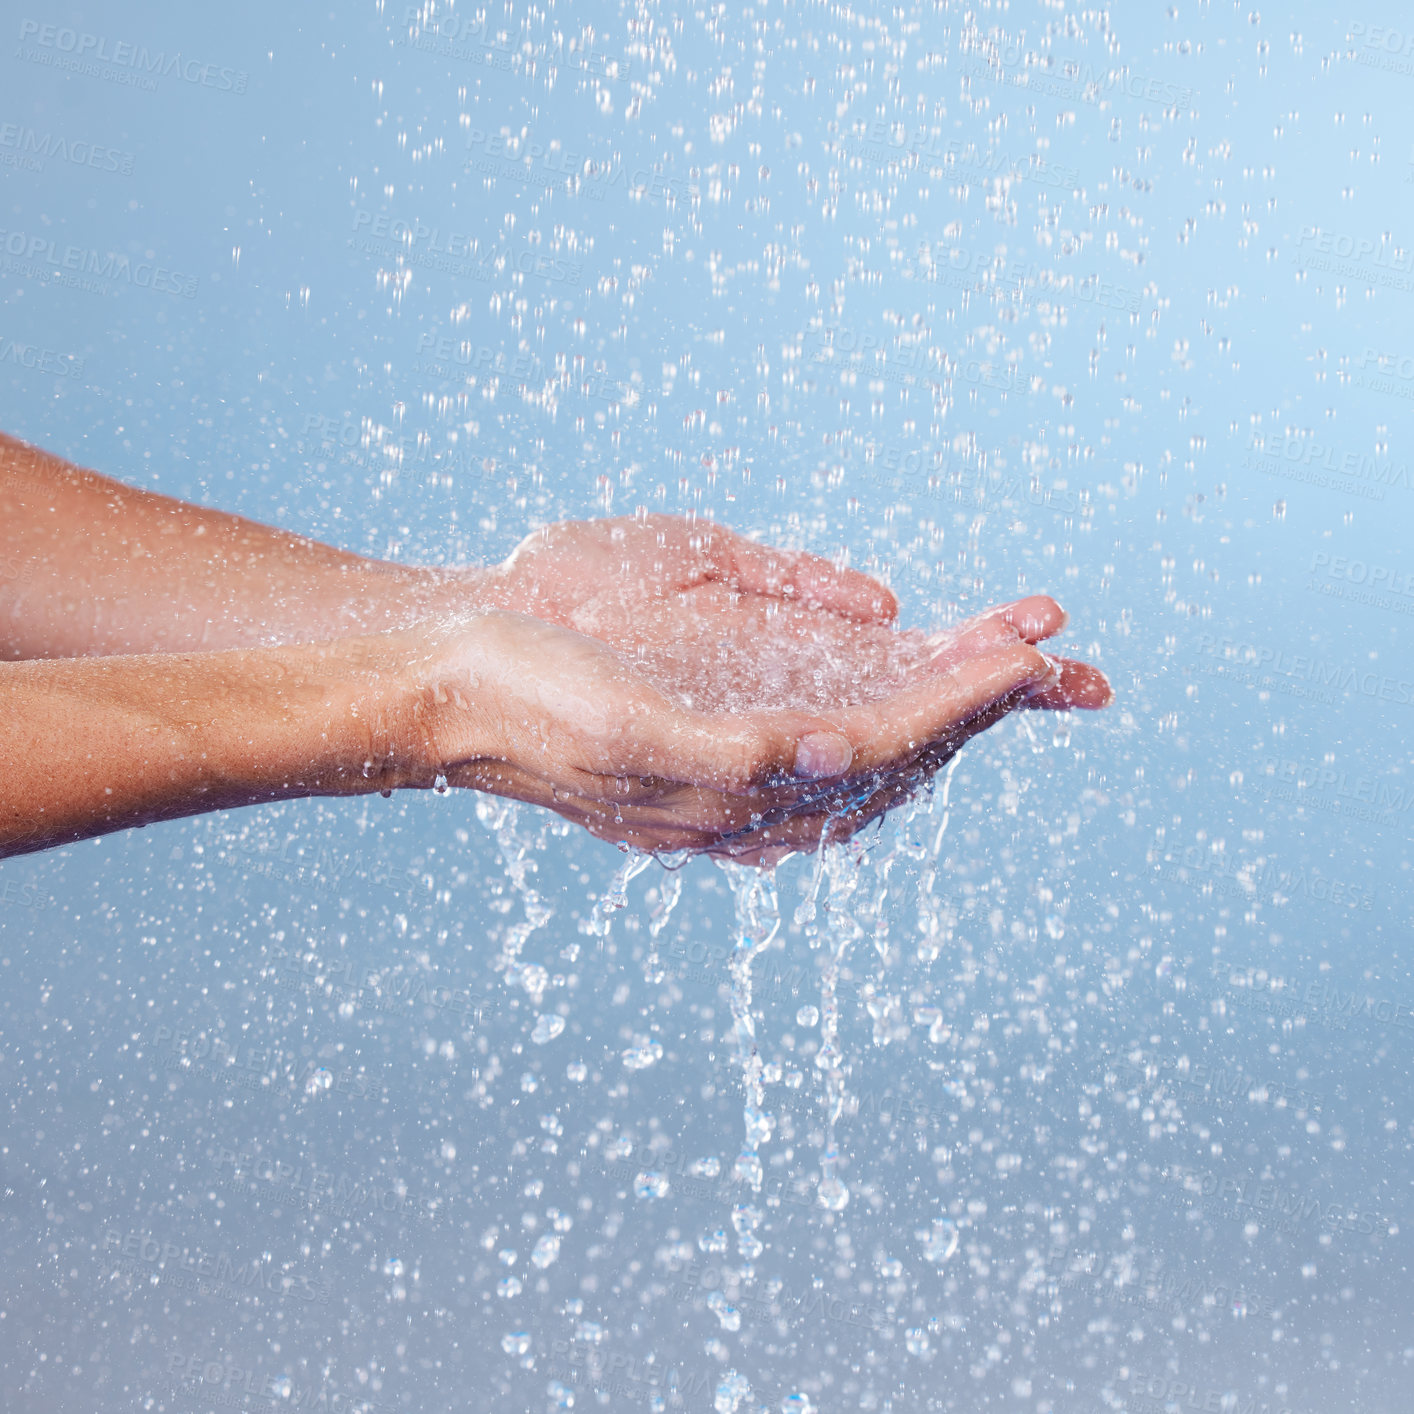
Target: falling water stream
846, 898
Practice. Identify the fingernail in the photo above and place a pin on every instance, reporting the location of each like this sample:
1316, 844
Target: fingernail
1045, 678
821, 754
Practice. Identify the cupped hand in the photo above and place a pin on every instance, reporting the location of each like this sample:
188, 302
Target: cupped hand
813, 721
721, 623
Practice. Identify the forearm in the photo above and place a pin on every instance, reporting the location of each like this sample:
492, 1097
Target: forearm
98, 744
91, 566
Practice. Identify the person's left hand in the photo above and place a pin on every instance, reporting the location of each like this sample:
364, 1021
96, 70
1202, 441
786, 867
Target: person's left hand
720, 623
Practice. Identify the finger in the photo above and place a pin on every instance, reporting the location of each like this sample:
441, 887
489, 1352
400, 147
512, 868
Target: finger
948, 651
1034, 618
1079, 685
734, 754
809, 580
883, 733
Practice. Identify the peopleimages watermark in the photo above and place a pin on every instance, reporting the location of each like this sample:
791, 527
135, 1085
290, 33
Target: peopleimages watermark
224, 1382
696, 1278
454, 359
1166, 1394
655, 1172
1273, 1205
348, 436
1263, 879
119, 61
38, 257
929, 474
1389, 373
448, 356
1310, 463
14, 894
988, 272
1316, 1003
40, 360
152, 1260
199, 1054
1074, 79
1255, 664
26, 150
534, 160
303, 1184
1358, 582
1159, 1289
472, 39
1355, 258
1216, 1085
621, 1375
350, 441
370, 988
453, 252
1383, 47
873, 357
1376, 800
323, 869
1395, 583
881, 142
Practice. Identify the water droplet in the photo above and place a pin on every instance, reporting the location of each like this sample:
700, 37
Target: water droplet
731, 1390
833, 1193
547, 1249
940, 1241
725, 1312
547, 1027
713, 1241
808, 1016
650, 1184
641, 1056
515, 1343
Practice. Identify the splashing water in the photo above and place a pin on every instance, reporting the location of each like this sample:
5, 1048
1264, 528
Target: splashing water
517, 846
669, 892
615, 897
932, 923
837, 930
731, 1390
758, 914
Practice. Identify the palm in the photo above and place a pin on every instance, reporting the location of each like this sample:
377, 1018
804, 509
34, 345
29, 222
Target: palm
720, 624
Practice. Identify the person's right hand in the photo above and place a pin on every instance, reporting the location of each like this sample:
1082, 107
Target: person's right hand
510, 704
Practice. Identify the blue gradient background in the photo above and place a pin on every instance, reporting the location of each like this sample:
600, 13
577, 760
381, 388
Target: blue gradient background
989, 301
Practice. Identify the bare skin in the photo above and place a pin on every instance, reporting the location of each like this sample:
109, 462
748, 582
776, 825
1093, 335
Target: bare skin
666, 685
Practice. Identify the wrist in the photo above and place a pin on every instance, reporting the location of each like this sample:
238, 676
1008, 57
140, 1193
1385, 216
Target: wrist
410, 703
404, 594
